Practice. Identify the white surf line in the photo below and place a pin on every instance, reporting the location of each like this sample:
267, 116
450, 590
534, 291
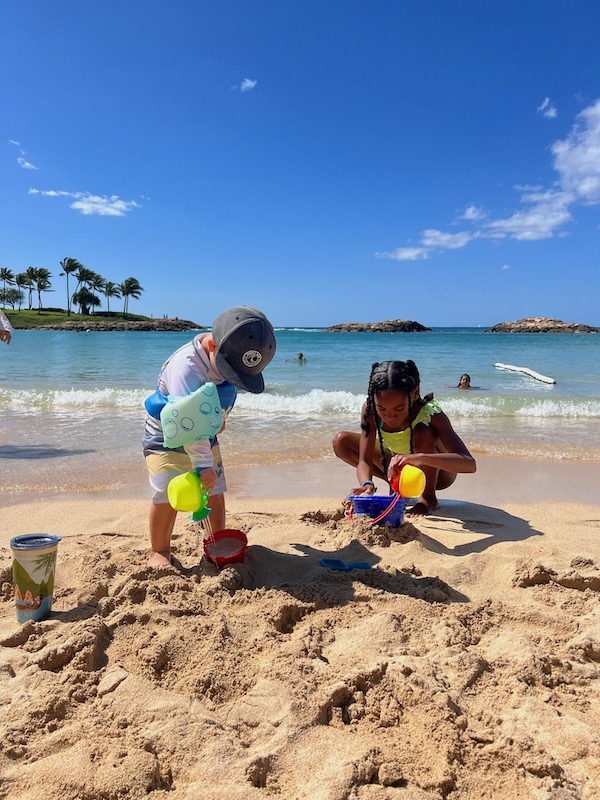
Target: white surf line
526, 371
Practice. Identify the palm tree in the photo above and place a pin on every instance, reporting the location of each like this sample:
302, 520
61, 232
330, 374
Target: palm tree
42, 284
130, 288
111, 290
21, 280
10, 297
6, 276
96, 283
30, 272
85, 300
83, 275
69, 265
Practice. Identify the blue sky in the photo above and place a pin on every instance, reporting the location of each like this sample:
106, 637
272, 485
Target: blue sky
326, 161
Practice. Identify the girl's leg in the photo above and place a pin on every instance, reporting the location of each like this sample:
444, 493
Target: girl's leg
425, 441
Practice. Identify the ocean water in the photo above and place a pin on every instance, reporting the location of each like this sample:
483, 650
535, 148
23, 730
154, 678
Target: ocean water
71, 404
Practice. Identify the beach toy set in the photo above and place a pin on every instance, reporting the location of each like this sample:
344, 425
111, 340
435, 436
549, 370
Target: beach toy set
410, 482
187, 493
389, 509
225, 547
33, 568
337, 565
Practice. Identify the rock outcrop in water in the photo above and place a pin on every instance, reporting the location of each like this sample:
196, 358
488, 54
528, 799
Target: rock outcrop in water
542, 325
389, 326
124, 325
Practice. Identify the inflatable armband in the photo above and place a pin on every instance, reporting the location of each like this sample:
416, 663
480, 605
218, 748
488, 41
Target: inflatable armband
227, 394
155, 403
190, 419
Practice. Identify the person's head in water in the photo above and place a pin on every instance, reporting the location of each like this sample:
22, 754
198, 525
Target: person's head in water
464, 382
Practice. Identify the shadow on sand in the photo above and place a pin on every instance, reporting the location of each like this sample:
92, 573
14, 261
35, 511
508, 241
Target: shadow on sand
38, 451
493, 524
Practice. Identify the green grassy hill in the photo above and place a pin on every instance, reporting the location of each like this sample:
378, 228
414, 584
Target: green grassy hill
103, 320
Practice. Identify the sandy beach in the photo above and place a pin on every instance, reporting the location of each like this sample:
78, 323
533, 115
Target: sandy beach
464, 664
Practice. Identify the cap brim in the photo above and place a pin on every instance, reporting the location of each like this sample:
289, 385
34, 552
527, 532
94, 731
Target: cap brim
251, 383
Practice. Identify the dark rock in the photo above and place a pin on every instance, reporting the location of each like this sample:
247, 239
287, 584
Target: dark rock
124, 325
542, 325
390, 326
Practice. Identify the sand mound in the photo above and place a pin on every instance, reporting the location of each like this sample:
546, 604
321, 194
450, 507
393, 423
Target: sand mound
278, 678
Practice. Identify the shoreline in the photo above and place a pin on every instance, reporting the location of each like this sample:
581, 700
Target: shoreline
498, 479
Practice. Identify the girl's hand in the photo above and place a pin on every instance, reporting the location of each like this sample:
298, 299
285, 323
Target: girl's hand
398, 462
368, 489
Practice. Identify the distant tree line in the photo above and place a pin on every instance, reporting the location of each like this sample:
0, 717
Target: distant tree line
89, 285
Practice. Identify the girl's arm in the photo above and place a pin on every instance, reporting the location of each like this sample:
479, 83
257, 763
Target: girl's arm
457, 457
366, 451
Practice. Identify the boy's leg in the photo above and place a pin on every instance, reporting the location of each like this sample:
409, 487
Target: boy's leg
216, 519
161, 520
216, 500
162, 468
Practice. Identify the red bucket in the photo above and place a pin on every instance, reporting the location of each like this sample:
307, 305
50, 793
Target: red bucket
225, 547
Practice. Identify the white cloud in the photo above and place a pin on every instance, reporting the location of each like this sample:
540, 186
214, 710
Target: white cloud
577, 158
247, 85
445, 241
505, 266
89, 204
547, 109
547, 212
544, 211
472, 214
406, 254
22, 162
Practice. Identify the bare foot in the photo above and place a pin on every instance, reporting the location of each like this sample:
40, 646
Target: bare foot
160, 558
422, 508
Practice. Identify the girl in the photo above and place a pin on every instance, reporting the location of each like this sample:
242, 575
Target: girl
399, 427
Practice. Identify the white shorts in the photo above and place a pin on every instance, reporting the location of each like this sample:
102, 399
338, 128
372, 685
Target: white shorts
166, 465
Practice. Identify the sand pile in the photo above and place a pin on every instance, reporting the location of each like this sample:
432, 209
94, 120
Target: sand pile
279, 678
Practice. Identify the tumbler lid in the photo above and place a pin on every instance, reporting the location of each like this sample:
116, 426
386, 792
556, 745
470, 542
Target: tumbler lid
34, 541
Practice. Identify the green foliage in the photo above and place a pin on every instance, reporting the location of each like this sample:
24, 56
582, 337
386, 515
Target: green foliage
25, 320
11, 297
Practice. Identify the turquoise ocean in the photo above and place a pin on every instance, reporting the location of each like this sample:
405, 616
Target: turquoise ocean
71, 404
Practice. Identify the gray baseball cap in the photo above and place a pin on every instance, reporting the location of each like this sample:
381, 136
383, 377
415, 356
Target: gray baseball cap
245, 345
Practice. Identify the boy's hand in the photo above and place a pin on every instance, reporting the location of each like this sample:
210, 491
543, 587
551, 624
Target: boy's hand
5, 336
208, 478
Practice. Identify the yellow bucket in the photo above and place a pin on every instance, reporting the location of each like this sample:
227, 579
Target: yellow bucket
412, 481
185, 492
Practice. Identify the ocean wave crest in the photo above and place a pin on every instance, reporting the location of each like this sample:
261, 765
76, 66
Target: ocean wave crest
85, 400
316, 402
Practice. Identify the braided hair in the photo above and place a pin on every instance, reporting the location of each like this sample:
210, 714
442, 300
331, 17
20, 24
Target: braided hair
400, 376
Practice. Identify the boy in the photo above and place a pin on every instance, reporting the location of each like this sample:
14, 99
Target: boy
237, 350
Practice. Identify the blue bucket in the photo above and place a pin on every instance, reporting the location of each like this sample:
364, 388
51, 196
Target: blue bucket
373, 505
